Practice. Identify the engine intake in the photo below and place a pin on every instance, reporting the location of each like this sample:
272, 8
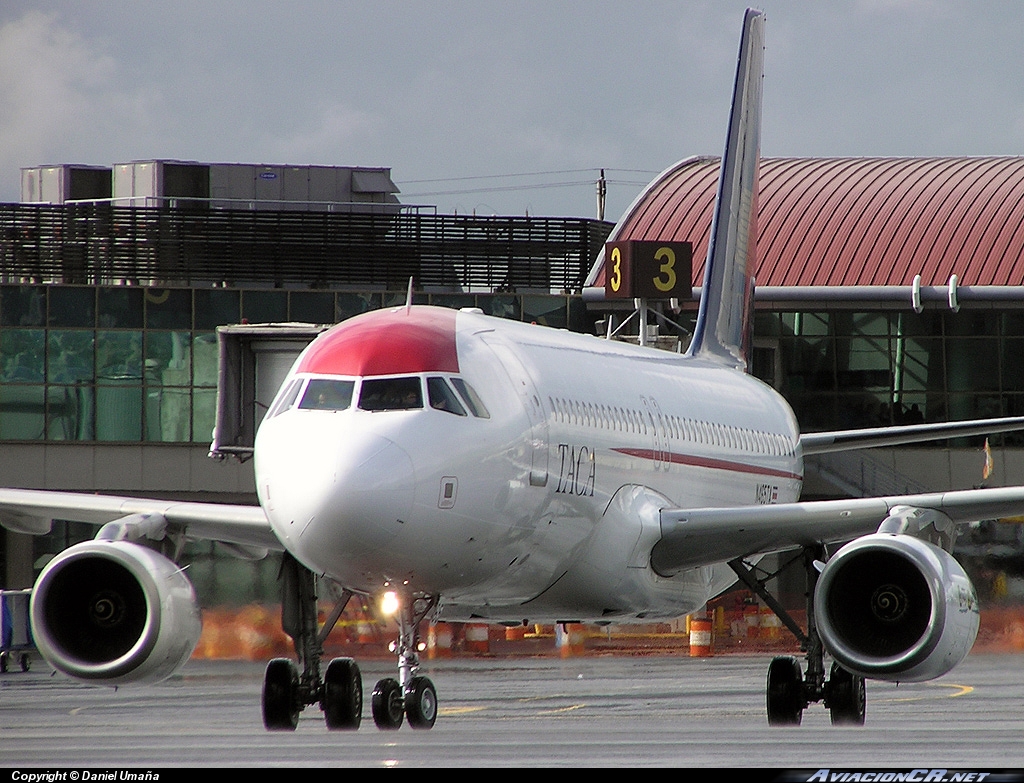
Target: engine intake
894, 607
114, 612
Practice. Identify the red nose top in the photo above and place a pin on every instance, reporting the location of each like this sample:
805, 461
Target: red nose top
386, 342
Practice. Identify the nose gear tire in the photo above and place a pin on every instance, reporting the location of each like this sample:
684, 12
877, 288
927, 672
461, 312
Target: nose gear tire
387, 704
421, 703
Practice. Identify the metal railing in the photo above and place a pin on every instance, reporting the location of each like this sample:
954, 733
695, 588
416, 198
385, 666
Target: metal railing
90, 243
192, 202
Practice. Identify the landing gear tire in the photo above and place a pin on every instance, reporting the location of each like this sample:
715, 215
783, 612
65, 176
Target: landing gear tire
343, 695
785, 692
846, 697
280, 696
421, 703
387, 704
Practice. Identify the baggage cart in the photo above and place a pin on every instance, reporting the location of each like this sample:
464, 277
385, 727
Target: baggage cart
15, 629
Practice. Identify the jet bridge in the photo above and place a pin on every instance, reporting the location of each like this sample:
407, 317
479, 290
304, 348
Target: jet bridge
253, 361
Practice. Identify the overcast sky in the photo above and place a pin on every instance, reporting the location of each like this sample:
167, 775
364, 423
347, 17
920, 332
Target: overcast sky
455, 96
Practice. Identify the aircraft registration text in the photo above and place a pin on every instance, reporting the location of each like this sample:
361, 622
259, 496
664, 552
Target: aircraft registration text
766, 494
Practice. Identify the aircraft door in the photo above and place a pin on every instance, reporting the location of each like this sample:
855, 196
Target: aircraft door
660, 435
532, 402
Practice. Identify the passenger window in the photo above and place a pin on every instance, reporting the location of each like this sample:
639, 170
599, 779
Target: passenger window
471, 398
391, 394
325, 394
443, 398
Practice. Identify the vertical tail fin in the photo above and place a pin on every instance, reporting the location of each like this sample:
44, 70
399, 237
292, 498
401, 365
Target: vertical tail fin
723, 325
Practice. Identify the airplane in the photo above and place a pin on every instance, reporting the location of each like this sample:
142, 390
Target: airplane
469, 468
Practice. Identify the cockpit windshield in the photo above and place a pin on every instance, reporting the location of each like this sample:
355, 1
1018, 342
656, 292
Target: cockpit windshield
327, 394
390, 394
449, 394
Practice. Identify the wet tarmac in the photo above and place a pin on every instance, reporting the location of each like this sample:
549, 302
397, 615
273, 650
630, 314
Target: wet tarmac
625, 711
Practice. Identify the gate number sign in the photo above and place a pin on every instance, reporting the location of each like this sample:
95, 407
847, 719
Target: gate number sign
648, 270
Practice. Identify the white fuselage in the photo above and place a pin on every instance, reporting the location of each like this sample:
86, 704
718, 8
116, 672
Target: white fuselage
539, 504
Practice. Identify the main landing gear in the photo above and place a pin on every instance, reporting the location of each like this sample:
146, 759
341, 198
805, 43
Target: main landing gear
790, 692
340, 691
285, 692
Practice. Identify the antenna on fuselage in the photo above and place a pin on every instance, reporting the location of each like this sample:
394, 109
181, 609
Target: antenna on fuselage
408, 297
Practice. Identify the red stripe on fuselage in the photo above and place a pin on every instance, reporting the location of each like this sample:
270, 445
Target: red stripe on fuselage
708, 462
387, 342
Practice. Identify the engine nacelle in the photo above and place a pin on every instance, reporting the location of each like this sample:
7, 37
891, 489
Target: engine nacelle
113, 612
894, 607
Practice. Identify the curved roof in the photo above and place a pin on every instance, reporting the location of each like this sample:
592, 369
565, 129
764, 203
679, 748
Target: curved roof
855, 221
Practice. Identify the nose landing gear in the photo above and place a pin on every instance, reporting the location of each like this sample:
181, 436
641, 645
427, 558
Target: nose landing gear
412, 695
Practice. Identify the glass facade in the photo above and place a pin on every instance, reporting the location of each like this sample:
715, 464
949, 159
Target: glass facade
134, 364
130, 364
844, 369
127, 364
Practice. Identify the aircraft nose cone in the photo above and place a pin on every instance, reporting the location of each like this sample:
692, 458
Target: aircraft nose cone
369, 499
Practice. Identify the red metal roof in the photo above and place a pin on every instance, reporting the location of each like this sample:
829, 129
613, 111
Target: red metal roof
856, 221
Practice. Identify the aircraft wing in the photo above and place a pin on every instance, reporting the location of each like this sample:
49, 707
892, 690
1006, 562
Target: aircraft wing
696, 537
32, 511
845, 440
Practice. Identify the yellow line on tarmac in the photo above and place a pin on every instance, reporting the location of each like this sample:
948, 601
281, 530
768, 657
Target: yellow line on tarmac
962, 690
543, 697
959, 690
459, 710
562, 709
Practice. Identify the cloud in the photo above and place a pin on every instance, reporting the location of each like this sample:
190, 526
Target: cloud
52, 85
901, 6
460, 88
337, 128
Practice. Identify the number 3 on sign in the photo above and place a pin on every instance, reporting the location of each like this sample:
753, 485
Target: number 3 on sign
615, 281
666, 280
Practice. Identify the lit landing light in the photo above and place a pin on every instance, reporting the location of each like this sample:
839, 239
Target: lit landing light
389, 603
393, 646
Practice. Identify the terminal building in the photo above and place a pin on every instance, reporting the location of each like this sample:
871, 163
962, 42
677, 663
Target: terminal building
114, 281
889, 290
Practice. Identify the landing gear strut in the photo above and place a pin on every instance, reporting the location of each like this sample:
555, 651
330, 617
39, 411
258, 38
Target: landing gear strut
340, 691
411, 696
788, 692
285, 692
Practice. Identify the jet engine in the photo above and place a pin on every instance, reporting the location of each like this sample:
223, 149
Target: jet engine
895, 607
114, 612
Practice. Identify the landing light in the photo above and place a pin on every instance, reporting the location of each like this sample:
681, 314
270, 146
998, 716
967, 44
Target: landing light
420, 647
389, 602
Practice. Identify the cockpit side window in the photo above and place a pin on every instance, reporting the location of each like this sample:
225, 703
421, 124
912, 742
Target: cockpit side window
327, 394
286, 398
471, 398
442, 397
390, 394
